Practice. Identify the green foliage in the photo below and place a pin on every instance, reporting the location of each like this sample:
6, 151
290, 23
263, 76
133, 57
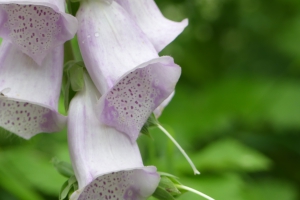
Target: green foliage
229, 155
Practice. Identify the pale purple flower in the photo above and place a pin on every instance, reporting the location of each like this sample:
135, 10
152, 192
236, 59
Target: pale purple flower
131, 101
29, 93
106, 163
158, 29
110, 42
124, 66
36, 27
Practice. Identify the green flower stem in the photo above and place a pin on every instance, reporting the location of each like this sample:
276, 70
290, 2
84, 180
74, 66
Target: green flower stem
180, 149
75, 49
74, 42
194, 191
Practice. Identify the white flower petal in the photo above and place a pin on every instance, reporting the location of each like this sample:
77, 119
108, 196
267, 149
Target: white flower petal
110, 42
128, 105
103, 158
158, 29
30, 93
36, 27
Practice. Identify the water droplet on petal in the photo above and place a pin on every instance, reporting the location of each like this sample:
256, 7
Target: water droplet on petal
97, 34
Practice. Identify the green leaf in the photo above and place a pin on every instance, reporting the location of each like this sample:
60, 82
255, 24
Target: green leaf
223, 186
33, 166
16, 185
229, 154
270, 189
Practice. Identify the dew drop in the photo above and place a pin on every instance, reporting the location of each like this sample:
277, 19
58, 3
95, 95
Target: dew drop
96, 34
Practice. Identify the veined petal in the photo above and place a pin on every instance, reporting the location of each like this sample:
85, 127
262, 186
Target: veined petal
106, 164
30, 93
128, 105
158, 29
36, 27
110, 42
157, 112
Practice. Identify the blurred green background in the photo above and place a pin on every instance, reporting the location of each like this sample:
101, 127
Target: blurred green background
236, 110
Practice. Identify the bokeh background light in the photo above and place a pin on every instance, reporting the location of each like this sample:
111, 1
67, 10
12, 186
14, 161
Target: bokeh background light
236, 110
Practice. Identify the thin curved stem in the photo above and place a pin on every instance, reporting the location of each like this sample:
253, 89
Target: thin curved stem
180, 149
194, 191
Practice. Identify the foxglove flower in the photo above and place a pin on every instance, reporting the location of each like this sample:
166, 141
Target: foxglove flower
124, 66
147, 15
30, 93
36, 27
131, 101
106, 164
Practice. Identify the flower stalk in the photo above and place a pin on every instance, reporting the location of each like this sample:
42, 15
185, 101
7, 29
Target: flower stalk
179, 148
193, 191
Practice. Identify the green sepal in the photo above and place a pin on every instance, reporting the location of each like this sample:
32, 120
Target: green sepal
68, 188
166, 189
63, 168
161, 194
76, 76
74, 71
173, 178
72, 79
146, 132
169, 186
151, 122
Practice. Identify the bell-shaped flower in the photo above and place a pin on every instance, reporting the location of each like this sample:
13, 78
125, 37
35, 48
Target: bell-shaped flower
36, 27
106, 164
111, 43
130, 102
124, 66
158, 29
29, 93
